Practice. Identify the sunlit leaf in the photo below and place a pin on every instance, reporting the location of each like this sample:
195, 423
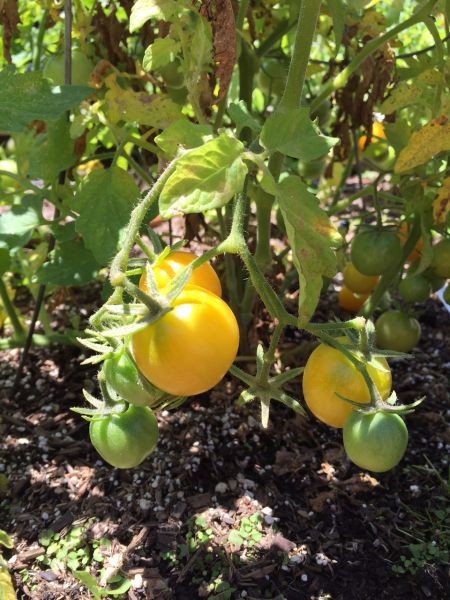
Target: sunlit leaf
424, 144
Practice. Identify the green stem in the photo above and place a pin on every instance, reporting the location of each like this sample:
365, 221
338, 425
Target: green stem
41, 341
19, 331
431, 26
341, 79
306, 26
120, 262
339, 206
39, 41
269, 356
280, 30
344, 177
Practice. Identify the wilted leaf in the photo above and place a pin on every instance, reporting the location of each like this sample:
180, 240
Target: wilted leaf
221, 16
312, 237
441, 204
105, 200
293, 133
139, 107
205, 178
433, 138
25, 97
9, 19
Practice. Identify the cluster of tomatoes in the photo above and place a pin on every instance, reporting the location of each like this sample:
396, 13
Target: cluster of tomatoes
372, 253
372, 440
185, 352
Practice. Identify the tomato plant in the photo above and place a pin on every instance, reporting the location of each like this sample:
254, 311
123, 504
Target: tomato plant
350, 301
125, 439
414, 288
440, 264
395, 330
123, 377
329, 372
357, 282
82, 68
375, 441
203, 276
373, 252
188, 350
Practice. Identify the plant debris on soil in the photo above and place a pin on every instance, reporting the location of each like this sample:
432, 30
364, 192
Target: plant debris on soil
222, 508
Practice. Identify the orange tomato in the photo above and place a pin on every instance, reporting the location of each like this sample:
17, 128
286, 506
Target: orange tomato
350, 301
403, 233
203, 276
377, 133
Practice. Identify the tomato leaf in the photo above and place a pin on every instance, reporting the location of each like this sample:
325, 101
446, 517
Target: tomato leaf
160, 53
104, 201
18, 223
205, 178
25, 97
161, 10
338, 12
238, 111
183, 134
53, 151
70, 264
432, 138
311, 237
294, 134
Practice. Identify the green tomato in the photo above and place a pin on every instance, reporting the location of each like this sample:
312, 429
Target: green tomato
123, 377
375, 441
440, 263
414, 288
125, 440
436, 282
373, 252
395, 330
82, 67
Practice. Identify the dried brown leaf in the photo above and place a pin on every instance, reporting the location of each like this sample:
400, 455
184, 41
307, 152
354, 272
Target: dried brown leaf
221, 16
9, 18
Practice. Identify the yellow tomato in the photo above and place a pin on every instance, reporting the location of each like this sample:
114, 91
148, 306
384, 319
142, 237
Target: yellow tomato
357, 282
188, 350
377, 133
350, 301
203, 276
328, 372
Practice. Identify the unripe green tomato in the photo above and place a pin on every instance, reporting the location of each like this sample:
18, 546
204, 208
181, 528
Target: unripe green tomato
395, 330
313, 169
440, 263
414, 288
125, 440
82, 67
10, 166
375, 441
123, 377
373, 252
272, 76
436, 282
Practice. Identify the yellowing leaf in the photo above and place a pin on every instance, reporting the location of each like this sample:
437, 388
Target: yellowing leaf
127, 105
441, 204
433, 138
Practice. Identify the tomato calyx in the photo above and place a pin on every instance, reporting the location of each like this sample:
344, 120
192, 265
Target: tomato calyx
263, 386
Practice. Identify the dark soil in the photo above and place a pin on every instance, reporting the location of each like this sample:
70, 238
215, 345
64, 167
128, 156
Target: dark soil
324, 529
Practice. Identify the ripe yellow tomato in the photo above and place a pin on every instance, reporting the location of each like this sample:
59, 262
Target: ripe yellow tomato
328, 372
350, 301
188, 350
357, 282
203, 276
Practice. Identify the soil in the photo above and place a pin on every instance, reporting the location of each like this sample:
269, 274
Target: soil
222, 508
